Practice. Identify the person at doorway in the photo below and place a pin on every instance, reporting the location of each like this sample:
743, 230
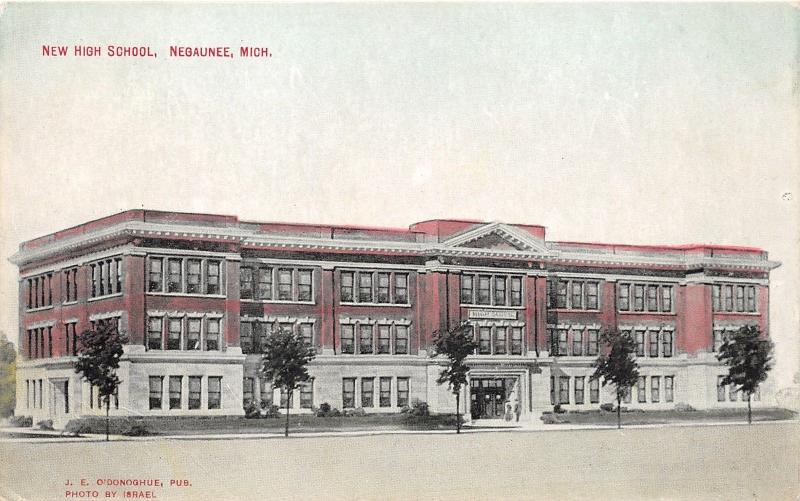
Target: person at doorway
509, 414
517, 409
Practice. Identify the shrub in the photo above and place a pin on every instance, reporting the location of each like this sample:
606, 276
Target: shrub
551, 418
357, 412
77, 427
271, 411
431, 421
46, 424
558, 410
335, 412
684, 407
21, 421
137, 430
419, 408
251, 411
607, 407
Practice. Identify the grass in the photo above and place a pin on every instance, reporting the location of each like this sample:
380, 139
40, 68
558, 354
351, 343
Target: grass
599, 417
192, 425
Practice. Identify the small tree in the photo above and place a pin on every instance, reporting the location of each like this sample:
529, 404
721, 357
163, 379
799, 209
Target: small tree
749, 360
456, 343
8, 383
617, 365
284, 359
98, 360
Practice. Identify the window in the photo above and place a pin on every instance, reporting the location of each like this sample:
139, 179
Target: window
500, 341
626, 397
485, 340
348, 393
666, 298
653, 343
71, 340
652, 298
385, 397
655, 389
667, 343
594, 390
720, 389
214, 392
347, 286
562, 342
348, 339
669, 388
193, 276
174, 333
365, 287
304, 285
307, 334
367, 392
154, 333
516, 291
246, 336
175, 383
266, 392
402, 391
577, 294
563, 390
174, 275
364, 339
384, 339
591, 296
641, 389
307, 394
732, 393
623, 301
193, 333
212, 334
516, 340
593, 345
484, 289
400, 288
577, 342
640, 343
738, 298
284, 285
286, 398
245, 283
383, 288
579, 390
467, 292
40, 292
156, 383
500, 290
213, 281
638, 297
401, 340
552, 390
71, 285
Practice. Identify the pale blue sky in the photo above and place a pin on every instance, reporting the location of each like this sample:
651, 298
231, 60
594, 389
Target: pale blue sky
640, 123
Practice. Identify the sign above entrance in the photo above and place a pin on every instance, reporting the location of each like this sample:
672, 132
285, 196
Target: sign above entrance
493, 314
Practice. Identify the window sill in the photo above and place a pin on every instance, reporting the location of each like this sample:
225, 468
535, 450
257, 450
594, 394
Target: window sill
745, 313
41, 308
186, 294
491, 306
374, 354
646, 312
396, 305
277, 301
100, 298
69, 303
574, 310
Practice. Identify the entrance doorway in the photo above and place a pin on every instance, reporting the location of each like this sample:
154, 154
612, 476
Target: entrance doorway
488, 397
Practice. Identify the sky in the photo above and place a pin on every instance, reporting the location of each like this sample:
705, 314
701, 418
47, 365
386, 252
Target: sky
645, 123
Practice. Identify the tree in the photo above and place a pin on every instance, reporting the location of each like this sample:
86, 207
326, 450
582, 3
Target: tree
8, 383
456, 343
98, 360
617, 365
284, 359
749, 360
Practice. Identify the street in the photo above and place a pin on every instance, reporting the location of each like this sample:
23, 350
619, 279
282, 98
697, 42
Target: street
719, 462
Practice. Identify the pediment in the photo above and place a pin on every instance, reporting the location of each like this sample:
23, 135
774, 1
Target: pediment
499, 237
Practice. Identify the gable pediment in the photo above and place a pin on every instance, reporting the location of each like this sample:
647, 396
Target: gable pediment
497, 237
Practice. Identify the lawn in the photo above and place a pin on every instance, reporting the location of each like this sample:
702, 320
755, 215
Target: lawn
189, 425
599, 417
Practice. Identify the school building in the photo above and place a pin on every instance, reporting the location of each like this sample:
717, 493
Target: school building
197, 294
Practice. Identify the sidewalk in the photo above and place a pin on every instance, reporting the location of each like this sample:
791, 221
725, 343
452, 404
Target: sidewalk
55, 436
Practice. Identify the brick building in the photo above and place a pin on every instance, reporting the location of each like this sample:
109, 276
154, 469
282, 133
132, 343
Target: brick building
197, 294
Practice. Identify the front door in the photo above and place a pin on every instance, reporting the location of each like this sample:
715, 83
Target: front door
488, 397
